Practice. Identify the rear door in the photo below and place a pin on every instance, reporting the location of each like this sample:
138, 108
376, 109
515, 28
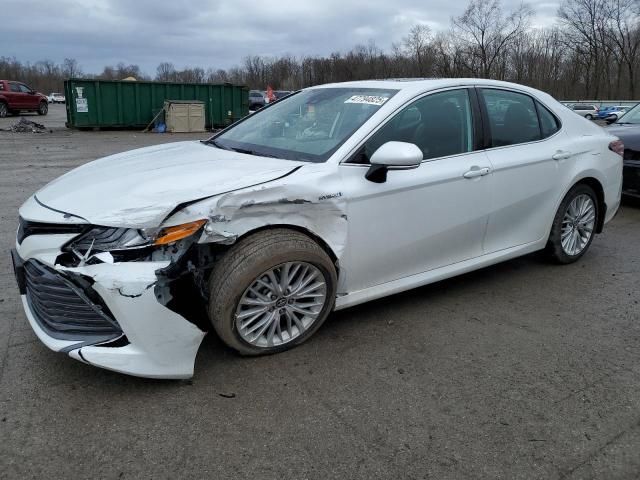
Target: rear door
527, 149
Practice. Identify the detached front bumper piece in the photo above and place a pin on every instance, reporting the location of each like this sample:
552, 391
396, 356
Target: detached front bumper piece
105, 314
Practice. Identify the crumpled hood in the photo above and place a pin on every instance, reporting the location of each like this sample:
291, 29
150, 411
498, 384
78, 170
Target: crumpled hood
141, 187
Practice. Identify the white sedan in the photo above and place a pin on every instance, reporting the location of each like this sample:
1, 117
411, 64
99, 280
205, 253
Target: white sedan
336, 195
56, 98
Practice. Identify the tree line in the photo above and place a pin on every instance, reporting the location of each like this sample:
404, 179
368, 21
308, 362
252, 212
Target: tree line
592, 52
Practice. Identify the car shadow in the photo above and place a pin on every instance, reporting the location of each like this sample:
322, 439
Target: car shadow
630, 201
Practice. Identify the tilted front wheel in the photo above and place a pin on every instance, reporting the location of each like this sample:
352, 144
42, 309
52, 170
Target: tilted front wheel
271, 291
4, 110
574, 225
43, 108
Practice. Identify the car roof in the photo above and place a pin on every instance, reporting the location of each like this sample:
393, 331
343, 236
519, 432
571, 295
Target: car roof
423, 84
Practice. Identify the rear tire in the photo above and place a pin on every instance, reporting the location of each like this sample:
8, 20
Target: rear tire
4, 110
240, 283
574, 225
43, 108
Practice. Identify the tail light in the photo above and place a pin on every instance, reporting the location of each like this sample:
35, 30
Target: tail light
617, 147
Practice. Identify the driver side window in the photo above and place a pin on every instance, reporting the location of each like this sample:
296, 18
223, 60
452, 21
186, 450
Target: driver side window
440, 125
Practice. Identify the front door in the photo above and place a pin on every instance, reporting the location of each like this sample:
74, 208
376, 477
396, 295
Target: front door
16, 97
425, 218
30, 100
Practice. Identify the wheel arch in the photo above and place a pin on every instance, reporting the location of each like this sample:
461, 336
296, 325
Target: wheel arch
594, 183
312, 235
597, 187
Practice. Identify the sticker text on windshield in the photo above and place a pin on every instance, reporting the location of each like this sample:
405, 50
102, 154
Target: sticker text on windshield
367, 99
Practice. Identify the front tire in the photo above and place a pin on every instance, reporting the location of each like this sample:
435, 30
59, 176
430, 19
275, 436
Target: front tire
271, 291
574, 225
43, 108
4, 110
588, 116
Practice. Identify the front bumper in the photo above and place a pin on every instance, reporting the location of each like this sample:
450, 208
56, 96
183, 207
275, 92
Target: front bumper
631, 178
148, 340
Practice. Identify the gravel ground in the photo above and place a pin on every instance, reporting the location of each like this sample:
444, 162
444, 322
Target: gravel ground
521, 370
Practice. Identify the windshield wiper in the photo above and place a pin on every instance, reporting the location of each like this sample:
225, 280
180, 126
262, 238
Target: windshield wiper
217, 144
252, 152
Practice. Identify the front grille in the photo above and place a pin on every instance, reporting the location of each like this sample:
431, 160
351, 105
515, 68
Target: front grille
27, 228
63, 309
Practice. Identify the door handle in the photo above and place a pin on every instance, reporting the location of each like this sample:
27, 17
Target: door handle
561, 155
477, 172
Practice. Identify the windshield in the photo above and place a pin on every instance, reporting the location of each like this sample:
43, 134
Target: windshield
308, 126
631, 116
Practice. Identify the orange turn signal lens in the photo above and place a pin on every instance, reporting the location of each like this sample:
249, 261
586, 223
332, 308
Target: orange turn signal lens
173, 234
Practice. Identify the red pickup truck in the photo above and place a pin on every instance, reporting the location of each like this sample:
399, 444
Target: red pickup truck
16, 96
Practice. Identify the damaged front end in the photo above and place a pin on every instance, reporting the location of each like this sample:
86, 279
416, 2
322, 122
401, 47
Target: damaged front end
127, 300
145, 288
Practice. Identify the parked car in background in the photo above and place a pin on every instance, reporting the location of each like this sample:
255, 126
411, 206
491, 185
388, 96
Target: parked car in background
587, 110
16, 97
613, 113
281, 93
332, 197
627, 129
56, 98
257, 100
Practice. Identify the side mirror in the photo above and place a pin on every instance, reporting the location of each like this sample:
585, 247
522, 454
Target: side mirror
393, 156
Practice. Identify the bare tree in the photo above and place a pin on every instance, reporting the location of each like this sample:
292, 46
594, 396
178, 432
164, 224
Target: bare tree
585, 23
417, 46
166, 72
594, 52
487, 33
624, 34
70, 68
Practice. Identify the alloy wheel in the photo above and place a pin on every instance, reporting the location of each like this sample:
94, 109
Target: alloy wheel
578, 224
3, 110
281, 304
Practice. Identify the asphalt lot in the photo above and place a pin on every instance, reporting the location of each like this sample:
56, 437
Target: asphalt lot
521, 370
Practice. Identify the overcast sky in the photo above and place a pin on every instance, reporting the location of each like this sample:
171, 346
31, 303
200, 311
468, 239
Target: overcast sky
213, 33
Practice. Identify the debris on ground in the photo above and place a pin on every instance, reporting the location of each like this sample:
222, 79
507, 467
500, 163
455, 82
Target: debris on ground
26, 126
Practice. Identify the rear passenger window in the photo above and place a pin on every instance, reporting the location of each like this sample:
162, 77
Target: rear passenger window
512, 117
14, 87
549, 124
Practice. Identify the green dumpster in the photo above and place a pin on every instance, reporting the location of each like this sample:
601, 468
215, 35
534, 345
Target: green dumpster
133, 104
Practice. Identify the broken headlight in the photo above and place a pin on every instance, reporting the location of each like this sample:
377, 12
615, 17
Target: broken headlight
107, 239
